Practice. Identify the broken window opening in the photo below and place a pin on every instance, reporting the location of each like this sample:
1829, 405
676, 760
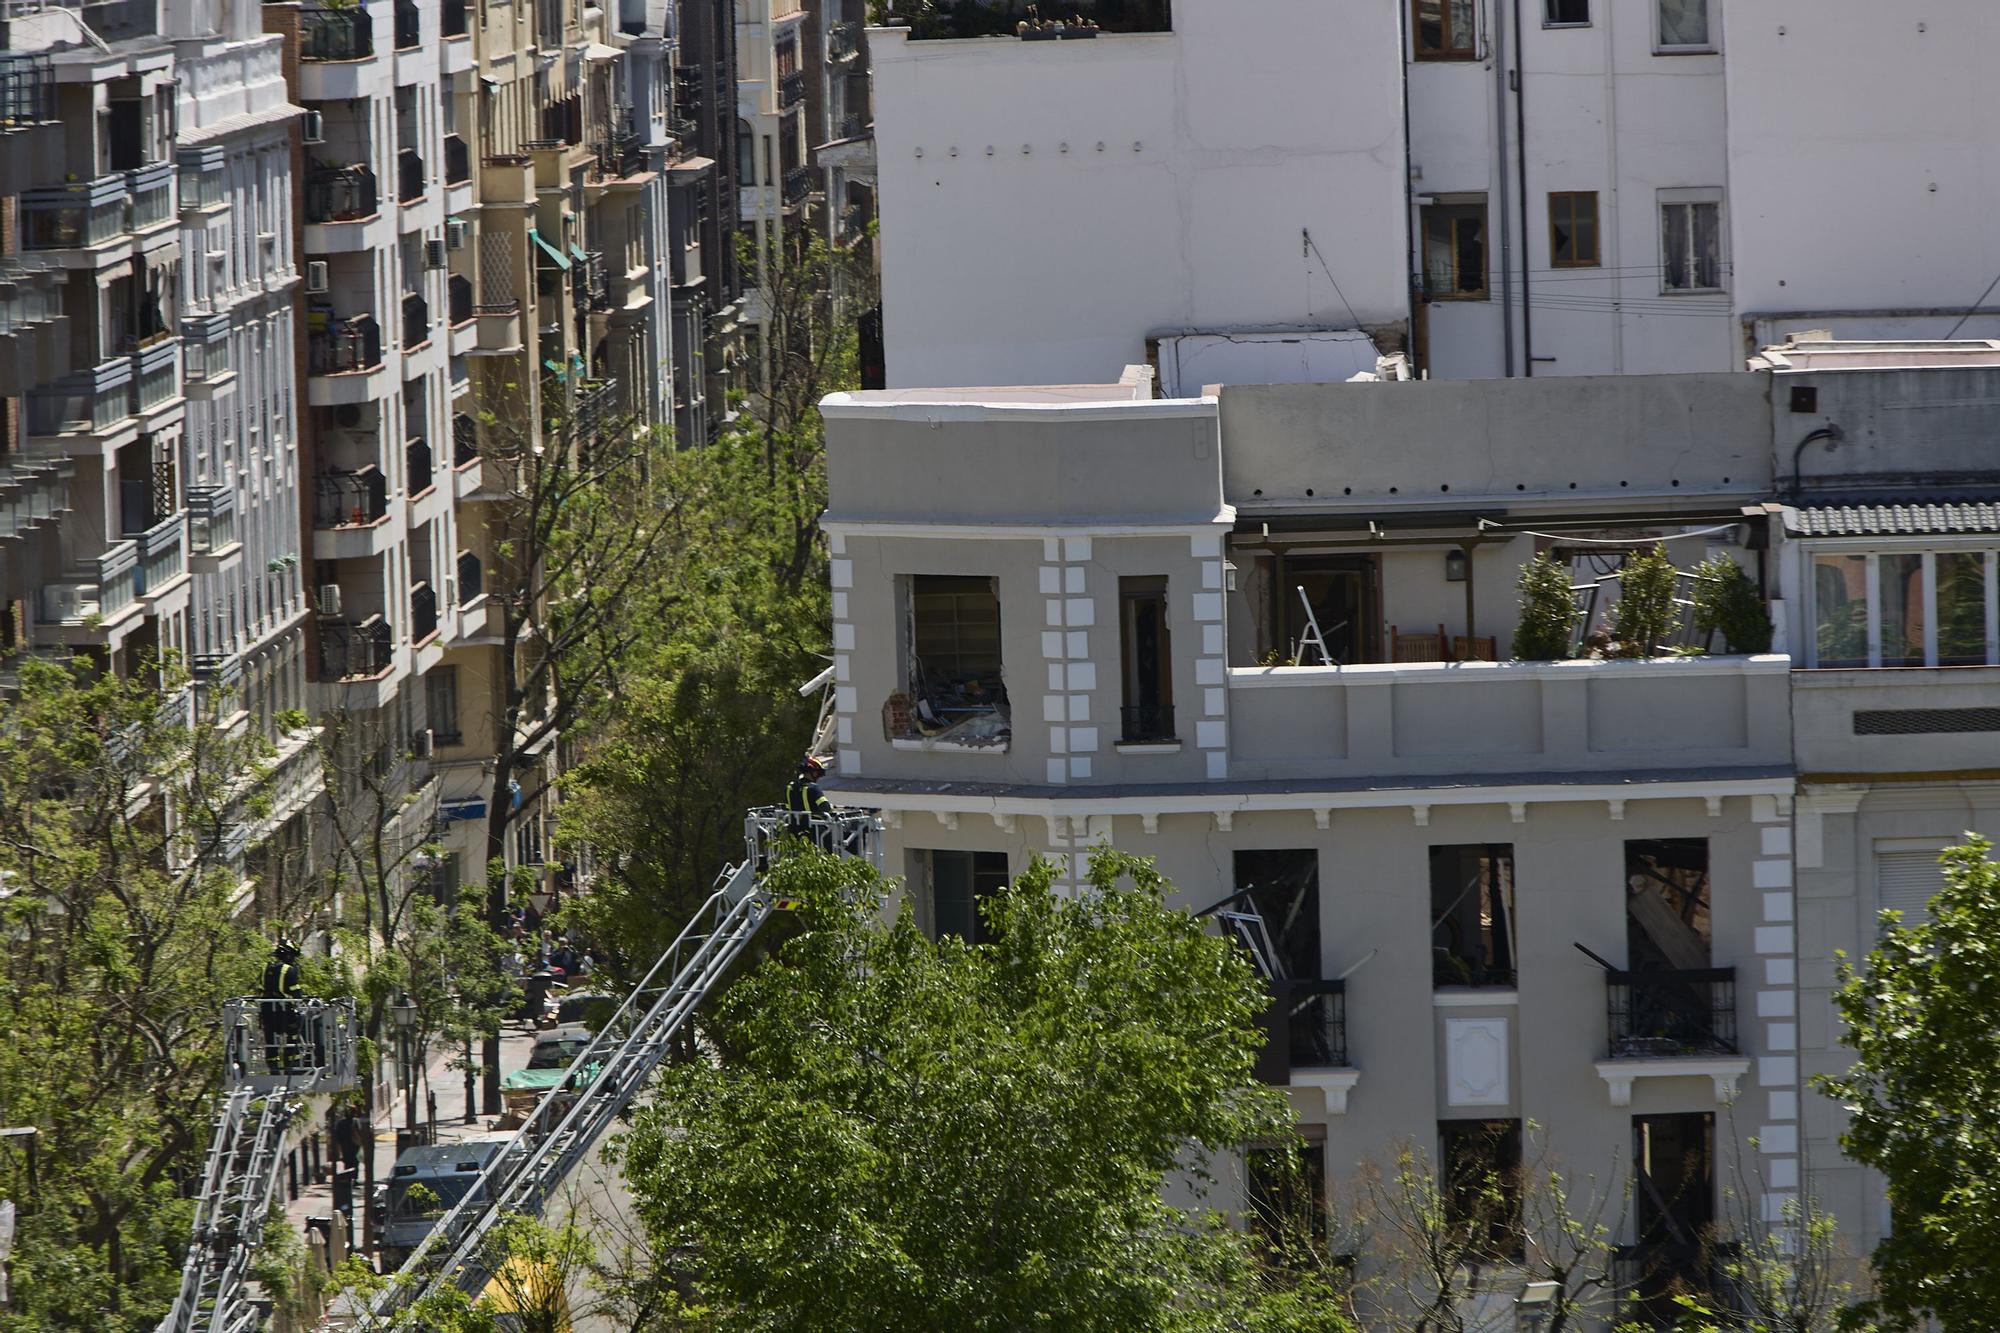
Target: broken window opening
1472, 915
1481, 1183
1455, 251
1667, 926
1673, 1160
952, 671
1286, 1195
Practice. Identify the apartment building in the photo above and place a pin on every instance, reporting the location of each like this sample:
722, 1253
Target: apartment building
1265, 637
774, 170
706, 273
1499, 187
841, 117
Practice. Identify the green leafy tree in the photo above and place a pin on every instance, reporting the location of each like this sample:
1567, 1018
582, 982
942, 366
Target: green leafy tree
904, 1135
1547, 626
1645, 613
124, 943
1726, 601
1922, 1088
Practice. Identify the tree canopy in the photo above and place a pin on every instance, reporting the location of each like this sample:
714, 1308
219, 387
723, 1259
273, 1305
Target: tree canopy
1923, 1018
931, 1137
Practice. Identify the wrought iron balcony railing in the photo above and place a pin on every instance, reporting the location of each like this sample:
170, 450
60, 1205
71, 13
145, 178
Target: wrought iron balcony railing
341, 194
350, 499
420, 469
348, 345
351, 650
791, 89
1672, 1012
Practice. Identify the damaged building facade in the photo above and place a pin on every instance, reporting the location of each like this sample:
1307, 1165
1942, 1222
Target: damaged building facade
1266, 637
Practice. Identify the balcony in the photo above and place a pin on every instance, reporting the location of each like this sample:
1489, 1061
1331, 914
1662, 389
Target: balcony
464, 440
218, 681
33, 492
452, 16
1305, 1039
791, 89
336, 34
409, 26
798, 184
85, 402
103, 594
349, 345
350, 499
162, 556
416, 322
852, 126
1146, 724
423, 613
420, 470
1667, 1013
355, 650
843, 40
74, 217
27, 90
156, 375
150, 196
457, 161
1435, 718
458, 299
592, 284
409, 176
596, 406
341, 194
211, 526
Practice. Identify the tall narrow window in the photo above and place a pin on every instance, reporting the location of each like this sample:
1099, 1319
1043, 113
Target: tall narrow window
1146, 660
960, 882
441, 698
1455, 251
1673, 1161
1684, 26
1444, 30
1691, 245
1902, 610
1840, 609
1666, 904
1472, 901
1481, 1182
1961, 608
1573, 229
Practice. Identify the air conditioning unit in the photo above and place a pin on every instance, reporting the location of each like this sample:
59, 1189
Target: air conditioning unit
433, 254
424, 744
456, 232
316, 277
312, 129
329, 599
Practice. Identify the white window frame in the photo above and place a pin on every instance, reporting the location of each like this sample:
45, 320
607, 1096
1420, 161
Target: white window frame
1874, 551
1710, 47
1700, 194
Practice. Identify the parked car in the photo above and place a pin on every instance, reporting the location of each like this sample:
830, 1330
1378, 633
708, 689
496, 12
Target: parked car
548, 1065
427, 1182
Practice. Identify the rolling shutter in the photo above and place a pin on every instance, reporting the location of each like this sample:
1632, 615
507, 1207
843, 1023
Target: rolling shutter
1905, 882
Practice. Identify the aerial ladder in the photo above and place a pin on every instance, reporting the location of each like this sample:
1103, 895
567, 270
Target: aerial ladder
608, 1073
275, 1054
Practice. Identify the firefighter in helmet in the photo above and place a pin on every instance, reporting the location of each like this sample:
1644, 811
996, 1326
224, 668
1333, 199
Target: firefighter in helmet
283, 984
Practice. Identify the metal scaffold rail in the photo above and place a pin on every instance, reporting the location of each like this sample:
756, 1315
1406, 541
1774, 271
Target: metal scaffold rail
608, 1073
275, 1053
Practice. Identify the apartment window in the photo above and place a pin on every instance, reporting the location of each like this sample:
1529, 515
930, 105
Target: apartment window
1904, 608
1472, 910
1286, 1193
1690, 242
960, 882
1146, 660
1444, 30
1908, 875
1455, 251
1667, 926
1282, 885
1684, 26
1573, 229
952, 668
441, 700
1481, 1182
1566, 13
1674, 1159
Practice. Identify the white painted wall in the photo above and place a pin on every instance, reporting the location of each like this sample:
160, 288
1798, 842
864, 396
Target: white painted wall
1604, 113
1879, 202
1221, 141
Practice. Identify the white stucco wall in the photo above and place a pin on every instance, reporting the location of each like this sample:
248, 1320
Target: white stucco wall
1603, 113
1035, 255
1878, 202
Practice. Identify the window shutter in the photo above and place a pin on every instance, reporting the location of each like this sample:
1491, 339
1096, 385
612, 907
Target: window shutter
1906, 881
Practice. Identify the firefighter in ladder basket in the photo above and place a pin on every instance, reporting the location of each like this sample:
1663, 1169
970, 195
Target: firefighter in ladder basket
280, 1020
805, 803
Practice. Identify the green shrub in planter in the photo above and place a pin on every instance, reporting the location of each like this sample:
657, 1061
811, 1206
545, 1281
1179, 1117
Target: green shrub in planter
1726, 601
1645, 610
1548, 612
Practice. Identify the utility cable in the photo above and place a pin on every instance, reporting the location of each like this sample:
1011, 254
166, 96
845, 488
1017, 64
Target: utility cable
1312, 247
1974, 309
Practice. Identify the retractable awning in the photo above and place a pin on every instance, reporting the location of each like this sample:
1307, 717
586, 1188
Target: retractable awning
549, 250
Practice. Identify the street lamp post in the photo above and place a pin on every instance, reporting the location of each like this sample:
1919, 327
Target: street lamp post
404, 1014
471, 1110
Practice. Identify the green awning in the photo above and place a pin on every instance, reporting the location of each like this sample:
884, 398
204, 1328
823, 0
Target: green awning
579, 255
553, 367
549, 250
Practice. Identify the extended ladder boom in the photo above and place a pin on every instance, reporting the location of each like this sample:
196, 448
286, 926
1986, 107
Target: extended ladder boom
568, 1122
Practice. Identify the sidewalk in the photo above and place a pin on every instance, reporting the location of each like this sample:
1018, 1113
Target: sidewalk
440, 1077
